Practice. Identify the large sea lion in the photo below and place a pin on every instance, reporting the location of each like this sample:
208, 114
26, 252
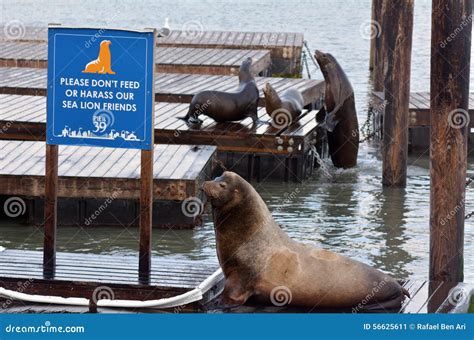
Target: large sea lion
259, 260
283, 109
338, 113
227, 106
103, 63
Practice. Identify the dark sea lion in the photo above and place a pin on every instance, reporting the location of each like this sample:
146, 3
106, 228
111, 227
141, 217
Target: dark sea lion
339, 113
259, 260
227, 106
283, 109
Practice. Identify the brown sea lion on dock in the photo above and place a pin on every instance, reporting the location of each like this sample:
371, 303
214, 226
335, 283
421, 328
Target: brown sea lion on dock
283, 109
338, 113
227, 106
259, 260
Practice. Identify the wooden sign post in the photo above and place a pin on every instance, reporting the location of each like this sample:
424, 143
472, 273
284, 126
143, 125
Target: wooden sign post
100, 93
50, 211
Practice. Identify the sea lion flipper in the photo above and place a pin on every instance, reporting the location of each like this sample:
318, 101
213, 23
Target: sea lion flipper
234, 293
331, 119
321, 115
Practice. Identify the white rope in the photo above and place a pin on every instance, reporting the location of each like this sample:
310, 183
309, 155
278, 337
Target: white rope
192, 296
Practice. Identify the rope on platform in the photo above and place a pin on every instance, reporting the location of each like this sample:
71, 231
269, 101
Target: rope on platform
192, 296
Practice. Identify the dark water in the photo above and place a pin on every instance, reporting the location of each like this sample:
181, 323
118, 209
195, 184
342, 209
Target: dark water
354, 215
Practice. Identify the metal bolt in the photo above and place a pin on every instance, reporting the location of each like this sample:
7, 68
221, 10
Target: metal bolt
291, 141
280, 148
290, 149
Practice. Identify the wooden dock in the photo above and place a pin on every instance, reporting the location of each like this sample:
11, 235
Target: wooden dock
418, 118
79, 275
286, 48
169, 87
89, 176
266, 152
168, 59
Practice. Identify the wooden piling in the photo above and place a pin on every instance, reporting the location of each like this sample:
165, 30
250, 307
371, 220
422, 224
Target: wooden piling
375, 22
398, 29
377, 48
450, 62
50, 211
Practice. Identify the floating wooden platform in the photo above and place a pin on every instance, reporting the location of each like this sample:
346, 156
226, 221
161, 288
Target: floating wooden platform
168, 59
265, 152
419, 117
78, 275
286, 48
93, 175
169, 87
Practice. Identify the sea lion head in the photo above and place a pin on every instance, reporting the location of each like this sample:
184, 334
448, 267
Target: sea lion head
245, 71
225, 191
105, 43
325, 60
269, 91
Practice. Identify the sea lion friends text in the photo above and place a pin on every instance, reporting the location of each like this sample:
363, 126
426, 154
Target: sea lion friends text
101, 93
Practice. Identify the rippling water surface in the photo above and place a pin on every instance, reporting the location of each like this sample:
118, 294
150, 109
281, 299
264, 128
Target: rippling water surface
352, 214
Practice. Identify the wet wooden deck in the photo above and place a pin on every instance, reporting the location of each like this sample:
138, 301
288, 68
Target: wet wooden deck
90, 175
169, 87
286, 47
78, 275
419, 107
418, 119
168, 59
267, 151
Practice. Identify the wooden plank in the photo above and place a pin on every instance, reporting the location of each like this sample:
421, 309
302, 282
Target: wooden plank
88, 165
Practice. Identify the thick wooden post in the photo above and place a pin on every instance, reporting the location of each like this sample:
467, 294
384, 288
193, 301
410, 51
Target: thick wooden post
397, 30
378, 51
50, 211
376, 25
450, 62
146, 210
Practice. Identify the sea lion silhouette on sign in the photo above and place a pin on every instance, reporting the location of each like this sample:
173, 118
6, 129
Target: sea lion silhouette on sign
103, 63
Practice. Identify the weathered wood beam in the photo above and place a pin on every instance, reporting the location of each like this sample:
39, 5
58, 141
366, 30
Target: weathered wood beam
450, 62
397, 30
